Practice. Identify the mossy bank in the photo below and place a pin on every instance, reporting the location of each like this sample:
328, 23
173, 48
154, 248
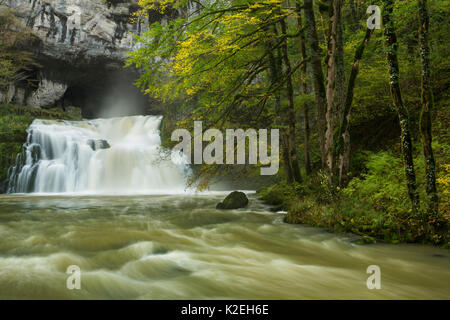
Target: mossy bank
375, 216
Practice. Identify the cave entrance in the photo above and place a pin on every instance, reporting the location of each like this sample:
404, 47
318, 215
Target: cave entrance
106, 96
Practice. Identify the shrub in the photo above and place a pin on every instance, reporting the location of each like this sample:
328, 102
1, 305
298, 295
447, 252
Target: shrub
383, 186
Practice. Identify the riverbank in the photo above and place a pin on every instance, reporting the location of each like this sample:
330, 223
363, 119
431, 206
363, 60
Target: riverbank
378, 217
375, 203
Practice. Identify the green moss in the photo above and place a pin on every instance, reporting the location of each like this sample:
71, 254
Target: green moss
365, 240
167, 126
281, 195
234, 200
373, 207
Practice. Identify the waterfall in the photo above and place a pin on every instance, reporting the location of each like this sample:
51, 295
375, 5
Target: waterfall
103, 156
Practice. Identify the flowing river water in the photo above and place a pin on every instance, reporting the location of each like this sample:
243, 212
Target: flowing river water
77, 198
181, 247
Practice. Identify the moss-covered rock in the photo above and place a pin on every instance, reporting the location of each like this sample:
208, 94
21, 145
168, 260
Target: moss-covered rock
234, 200
280, 196
365, 240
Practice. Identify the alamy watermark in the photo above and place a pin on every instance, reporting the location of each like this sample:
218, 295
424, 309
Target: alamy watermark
374, 21
374, 281
235, 143
74, 280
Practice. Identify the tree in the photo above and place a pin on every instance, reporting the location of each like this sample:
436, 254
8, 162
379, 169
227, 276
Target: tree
292, 118
333, 101
318, 77
223, 58
427, 107
304, 89
335, 89
343, 136
402, 112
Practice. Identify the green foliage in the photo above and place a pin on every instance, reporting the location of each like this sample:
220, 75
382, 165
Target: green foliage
217, 66
281, 195
14, 61
218, 58
383, 184
374, 205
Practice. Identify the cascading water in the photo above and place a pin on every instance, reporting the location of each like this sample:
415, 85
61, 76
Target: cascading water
119, 155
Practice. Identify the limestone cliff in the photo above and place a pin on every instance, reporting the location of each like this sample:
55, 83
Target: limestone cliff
82, 50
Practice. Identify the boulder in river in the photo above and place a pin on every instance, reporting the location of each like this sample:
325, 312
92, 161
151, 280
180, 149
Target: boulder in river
98, 144
234, 200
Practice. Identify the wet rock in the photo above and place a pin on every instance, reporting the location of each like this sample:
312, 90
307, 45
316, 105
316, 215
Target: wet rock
36, 153
160, 251
365, 240
74, 29
98, 144
47, 94
3, 186
234, 200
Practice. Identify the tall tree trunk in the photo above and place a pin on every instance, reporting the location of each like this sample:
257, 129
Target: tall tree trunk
287, 158
330, 91
427, 106
340, 70
318, 78
291, 108
335, 84
406, 144
275, 73
304, 89
353, 15
339, 59
343, 137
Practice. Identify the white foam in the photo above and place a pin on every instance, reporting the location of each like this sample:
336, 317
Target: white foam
135, 162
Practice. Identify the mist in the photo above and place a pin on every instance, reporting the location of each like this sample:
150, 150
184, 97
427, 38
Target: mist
122, 98
108, 95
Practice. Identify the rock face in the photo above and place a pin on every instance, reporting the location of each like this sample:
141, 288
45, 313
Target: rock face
46, 95
84, 45
80, 30
98, 144
234, 200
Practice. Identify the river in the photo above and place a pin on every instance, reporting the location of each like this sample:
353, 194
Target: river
181, 247
77, 198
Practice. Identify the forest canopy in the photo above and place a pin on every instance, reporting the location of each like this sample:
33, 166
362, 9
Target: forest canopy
350, 99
